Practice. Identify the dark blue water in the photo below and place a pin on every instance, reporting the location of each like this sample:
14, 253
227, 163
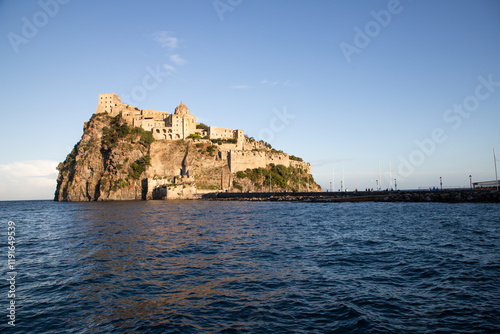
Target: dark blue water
245, 267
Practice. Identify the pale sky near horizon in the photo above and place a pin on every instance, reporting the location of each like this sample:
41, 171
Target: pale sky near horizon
414, 85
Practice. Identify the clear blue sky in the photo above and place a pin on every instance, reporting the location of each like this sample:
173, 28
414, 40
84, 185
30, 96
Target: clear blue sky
364, 81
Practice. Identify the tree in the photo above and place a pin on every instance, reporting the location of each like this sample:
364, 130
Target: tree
201, 126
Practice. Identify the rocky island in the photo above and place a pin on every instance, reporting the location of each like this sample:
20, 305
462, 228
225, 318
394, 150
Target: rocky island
130, 154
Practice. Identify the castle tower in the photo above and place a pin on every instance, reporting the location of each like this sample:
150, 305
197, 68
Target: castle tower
182, 122
181, 109
108, 102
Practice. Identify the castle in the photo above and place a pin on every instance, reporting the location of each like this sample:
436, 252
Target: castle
240, 154
234, 151
186, 160
164, 126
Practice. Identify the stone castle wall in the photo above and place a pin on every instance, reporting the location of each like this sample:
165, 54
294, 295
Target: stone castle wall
239, 160
305, 166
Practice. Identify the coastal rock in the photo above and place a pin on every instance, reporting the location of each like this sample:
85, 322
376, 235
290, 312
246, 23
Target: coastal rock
114, 161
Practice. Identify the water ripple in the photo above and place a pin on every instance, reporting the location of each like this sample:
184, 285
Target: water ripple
205, 267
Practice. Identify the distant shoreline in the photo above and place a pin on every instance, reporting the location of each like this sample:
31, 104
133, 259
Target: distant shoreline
443, 196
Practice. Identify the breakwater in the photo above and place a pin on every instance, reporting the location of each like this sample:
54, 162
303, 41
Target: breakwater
446, 196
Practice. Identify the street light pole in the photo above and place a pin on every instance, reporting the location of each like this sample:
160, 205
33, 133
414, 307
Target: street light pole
441, 182
495, 158
270, 181
261, 182
470, 180
395, 184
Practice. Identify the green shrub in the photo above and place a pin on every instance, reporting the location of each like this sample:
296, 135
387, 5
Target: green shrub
120, 183
281, 177
237, 186
221, 141
293, 157
216, 141
147, 138
103, 183
123, 130
211, 149
120, 130
250, 139
139, 167
201, 126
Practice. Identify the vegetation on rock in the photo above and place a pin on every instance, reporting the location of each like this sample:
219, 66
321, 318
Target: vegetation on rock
139, 167
201, 126
220, 141
279, 177
293, 157
119, 130
194, 136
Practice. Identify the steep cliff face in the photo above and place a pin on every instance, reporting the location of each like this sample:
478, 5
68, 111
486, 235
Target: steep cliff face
113, 161
106, 164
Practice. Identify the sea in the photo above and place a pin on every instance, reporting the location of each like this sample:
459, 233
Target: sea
249, 267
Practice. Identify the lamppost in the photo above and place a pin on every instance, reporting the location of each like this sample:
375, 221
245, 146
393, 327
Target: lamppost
470, 180
331, 189
341, 186
395, 185
441, 182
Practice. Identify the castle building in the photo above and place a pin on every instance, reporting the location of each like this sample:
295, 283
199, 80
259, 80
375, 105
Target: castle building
107, 102
164, 126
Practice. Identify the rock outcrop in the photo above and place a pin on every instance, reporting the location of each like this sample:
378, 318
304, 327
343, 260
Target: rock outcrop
114, 161
106, 164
